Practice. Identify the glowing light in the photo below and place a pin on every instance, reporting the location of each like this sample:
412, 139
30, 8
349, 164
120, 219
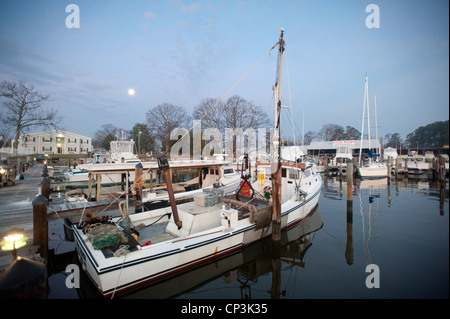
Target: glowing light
131, 92
13, 241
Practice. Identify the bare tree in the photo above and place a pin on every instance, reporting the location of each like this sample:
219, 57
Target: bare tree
164, 118
309, 137
237, 112
24, 109
209, 112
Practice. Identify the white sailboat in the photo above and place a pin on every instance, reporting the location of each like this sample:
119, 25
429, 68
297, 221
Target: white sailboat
371, 169
170, 240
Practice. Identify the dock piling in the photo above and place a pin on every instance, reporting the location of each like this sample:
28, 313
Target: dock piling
40, 225
389, 168
45, 188
349, 181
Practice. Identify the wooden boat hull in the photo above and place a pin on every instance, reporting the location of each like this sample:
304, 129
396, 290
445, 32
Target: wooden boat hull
118, 275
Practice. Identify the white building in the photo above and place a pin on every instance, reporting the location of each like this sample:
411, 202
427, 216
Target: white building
52, 142
342, 148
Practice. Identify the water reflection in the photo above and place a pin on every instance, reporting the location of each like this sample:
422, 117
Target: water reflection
394, 225
334, 188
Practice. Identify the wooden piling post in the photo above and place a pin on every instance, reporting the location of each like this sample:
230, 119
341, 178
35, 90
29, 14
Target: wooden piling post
45, 188
40, 224
442, 170
97, 192
396, 168
406, 168
389, 170
90, 187
349, 181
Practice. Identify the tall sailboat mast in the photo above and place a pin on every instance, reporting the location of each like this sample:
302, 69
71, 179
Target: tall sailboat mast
376, 128
366, 102
276, 163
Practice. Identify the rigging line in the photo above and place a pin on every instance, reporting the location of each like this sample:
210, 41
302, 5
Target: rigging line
337, 239
118, 277
369, 257
231, 89
363, 223
290, 99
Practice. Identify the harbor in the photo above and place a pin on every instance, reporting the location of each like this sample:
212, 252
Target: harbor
371, 211
174, 154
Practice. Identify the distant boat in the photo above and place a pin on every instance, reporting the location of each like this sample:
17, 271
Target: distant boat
390, 151
372, 168
121, 152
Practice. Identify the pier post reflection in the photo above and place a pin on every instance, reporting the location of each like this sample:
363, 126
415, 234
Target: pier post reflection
442, 197
349, 246
276, 270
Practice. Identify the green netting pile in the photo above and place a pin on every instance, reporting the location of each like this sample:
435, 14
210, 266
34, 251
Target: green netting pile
106, 235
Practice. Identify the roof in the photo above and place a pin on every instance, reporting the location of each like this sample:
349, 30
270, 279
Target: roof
55, 132
332, 145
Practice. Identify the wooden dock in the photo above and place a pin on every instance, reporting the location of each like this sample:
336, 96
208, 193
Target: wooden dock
16, 211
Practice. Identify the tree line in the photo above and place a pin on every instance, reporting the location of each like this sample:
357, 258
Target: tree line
154, 134
23, 108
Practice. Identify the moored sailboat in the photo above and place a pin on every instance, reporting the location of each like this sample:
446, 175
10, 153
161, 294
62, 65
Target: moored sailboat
372, 168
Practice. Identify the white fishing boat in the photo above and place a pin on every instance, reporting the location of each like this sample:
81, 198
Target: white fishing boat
206, 174
134, 250
121, 152
372, 168
418, 163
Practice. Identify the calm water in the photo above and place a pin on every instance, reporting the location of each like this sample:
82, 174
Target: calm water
403, 229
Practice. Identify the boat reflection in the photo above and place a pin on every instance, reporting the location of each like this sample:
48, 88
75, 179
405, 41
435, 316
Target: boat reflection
237, 270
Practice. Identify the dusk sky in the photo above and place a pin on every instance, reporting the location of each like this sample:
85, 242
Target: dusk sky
180, 52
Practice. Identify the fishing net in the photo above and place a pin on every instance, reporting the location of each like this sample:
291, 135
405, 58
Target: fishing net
106, 235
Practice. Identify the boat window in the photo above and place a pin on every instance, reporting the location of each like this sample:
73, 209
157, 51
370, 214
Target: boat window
307, 172
228, 171
292, 173
283, 172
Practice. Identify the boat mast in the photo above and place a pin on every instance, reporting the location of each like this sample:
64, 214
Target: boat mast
276, 164
376, 127
362, 129
368, 114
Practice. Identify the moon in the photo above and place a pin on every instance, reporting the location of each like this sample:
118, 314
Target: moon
131, 91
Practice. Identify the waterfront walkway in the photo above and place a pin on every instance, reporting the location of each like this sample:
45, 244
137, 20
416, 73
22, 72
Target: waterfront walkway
16, 211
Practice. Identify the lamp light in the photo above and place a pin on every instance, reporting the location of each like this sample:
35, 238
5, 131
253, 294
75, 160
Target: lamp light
13, 240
